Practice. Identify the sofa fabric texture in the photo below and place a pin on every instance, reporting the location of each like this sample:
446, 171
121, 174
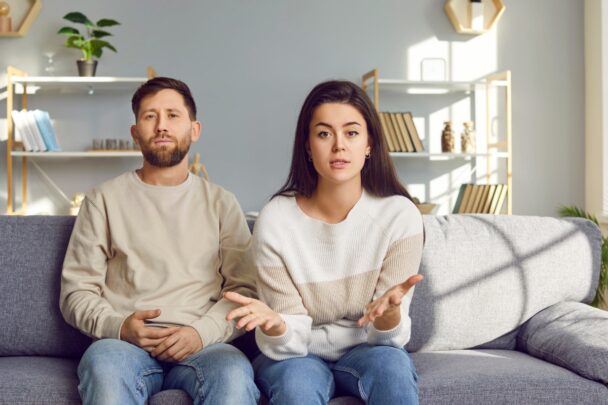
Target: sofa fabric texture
571, 335
492, 284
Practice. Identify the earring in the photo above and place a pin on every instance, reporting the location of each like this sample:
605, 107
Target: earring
368, 155
310, 158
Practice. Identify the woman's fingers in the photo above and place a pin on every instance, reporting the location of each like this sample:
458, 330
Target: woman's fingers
238, 298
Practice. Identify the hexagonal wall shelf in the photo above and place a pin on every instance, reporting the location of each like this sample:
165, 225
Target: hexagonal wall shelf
27, 21
458, 13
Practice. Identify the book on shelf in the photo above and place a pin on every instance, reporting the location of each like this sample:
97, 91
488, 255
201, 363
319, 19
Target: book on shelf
480, 199
409, 145
43, 121
391, 132
387, 137
398, 134
35, 131
411, 129
22, 131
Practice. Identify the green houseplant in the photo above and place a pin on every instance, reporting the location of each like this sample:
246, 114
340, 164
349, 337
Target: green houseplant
90, 42
601, 295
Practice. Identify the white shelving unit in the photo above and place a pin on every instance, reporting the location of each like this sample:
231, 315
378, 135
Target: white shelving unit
495, 150
24, 86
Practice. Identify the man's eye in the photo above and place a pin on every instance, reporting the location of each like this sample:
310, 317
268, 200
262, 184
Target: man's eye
148, 116
173, 115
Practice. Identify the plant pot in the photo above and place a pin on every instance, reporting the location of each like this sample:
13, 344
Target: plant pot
86, 67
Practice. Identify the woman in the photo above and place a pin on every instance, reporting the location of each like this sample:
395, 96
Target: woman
337, 250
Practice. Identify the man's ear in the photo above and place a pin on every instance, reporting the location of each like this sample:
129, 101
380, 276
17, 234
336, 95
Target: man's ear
134, 134
196, 131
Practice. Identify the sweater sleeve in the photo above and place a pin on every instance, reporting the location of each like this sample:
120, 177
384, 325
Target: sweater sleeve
277, 289
401, 261
237, 271
84, 273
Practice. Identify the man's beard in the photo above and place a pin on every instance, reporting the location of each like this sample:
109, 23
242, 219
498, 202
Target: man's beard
165, 156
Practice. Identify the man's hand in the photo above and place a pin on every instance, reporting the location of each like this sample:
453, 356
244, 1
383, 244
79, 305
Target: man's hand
385, 312
182, 343
255, 313
135, 331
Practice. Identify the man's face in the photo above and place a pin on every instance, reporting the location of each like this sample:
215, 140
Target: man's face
163, 129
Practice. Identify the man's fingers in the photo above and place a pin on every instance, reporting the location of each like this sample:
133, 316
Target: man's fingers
143, 315
164, 346
238, 298
157, 333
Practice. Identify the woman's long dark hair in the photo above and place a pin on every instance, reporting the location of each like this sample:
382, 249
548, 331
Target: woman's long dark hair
378, 176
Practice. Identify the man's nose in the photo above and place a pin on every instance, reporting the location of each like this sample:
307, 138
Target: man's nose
161, 124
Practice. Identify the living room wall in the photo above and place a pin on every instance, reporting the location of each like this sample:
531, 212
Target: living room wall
251, 63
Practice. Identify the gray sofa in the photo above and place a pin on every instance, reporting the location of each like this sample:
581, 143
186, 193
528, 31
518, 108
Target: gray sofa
498, 319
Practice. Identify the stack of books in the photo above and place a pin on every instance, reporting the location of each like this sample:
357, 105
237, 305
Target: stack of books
480, 199
35, 131
400, 132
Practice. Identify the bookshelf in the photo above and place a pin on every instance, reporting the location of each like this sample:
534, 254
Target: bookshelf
20, 85
497, 148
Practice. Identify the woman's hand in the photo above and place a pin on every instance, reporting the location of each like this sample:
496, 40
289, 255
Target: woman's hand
385, 311
255, 313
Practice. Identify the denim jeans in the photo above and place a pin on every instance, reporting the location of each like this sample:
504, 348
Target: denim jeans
379, 375
112, 371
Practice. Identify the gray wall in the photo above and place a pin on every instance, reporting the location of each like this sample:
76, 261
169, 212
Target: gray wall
251, 63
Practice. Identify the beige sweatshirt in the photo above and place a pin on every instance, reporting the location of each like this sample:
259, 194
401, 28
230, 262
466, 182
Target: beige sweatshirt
137, 246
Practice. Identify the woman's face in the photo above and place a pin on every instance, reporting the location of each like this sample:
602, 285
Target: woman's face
338, 143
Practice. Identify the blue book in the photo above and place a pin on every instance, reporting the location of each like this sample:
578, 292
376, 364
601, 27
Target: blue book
43, 121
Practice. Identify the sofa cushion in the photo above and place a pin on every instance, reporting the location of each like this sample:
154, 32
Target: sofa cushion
486, 275
30, 269
38, 380
571, 335
499, 377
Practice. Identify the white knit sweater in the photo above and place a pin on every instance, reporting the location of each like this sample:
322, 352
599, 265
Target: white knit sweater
321, 276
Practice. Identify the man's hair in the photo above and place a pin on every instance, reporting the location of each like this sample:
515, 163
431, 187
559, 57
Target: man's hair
157, 84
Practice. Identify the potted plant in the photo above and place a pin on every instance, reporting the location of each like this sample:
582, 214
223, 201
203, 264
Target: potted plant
601, 296
90, 42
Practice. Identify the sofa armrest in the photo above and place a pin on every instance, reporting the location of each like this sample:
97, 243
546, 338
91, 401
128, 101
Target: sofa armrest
571, 335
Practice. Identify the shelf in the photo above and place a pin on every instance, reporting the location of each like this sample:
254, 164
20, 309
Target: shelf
448, 156
433, 87
25, 25
84, 154
67, 84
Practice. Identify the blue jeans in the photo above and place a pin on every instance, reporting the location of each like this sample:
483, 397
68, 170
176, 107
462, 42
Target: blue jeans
112, 371
378, 375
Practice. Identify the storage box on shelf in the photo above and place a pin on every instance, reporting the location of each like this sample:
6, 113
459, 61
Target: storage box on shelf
496, 149
17, 85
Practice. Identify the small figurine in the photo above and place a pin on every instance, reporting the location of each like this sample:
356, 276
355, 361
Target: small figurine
467, 138
197, 167
6, 24
76, 202
447, 138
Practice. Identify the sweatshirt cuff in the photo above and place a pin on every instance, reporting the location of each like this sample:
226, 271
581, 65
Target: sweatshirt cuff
211, 331
397, 336
112, 325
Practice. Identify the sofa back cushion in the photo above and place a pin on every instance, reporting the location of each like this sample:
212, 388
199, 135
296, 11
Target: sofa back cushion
486, 275
31, 257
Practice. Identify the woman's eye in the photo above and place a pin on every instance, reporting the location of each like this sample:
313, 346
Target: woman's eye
323, 134
353, 133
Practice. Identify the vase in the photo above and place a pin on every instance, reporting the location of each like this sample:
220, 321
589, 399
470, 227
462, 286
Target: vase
447, 138
86, 67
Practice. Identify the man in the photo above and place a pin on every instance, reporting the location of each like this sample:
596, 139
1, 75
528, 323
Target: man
151, 254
